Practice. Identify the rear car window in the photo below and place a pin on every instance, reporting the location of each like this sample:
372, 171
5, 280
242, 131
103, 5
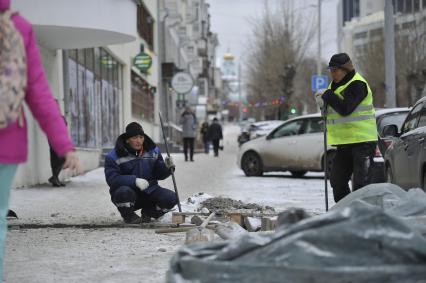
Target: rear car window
391, 118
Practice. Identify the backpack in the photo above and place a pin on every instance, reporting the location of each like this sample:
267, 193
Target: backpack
13, 71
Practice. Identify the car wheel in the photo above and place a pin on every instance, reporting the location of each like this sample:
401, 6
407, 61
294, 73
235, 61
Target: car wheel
389, 174
252, 164
298, 174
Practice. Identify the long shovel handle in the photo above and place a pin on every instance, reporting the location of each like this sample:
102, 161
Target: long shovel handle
324, 114
168, 154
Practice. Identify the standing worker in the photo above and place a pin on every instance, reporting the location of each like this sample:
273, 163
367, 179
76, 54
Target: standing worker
351, 125
189, 132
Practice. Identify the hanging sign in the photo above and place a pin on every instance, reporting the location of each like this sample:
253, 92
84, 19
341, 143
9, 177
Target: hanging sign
143, 62
182, 82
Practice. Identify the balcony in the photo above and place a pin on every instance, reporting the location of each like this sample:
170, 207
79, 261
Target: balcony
64, 24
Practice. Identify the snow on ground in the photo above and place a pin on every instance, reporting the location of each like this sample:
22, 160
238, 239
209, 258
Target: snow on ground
129, 254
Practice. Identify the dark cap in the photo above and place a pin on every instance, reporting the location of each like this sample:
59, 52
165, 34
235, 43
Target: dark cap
338, 60
134, 129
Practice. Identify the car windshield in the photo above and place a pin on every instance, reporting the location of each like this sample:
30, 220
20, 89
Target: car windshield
392, 118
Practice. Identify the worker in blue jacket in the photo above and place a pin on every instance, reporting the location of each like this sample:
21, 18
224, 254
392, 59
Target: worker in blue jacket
132, 171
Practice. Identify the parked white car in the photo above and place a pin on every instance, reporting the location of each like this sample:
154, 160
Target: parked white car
297, 145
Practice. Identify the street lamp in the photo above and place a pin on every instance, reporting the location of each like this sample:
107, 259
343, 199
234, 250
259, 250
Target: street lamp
319, 39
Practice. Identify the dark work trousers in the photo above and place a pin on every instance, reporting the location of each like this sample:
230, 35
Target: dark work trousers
216, 146
351, 159
56, 163
153, 204
188, 143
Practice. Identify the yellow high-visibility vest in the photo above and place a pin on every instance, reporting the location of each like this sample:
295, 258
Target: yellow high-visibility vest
359, 126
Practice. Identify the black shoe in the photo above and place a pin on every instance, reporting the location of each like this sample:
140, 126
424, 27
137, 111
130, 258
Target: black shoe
54, 181
62, 184
145, 218
132, 219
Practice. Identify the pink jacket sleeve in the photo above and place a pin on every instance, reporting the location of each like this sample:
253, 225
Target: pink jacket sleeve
41, 101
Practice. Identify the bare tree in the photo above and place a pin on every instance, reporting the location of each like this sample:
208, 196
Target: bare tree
278, 45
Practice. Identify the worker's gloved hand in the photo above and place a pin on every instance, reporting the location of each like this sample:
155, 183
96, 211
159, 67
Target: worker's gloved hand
142, 184
169, 163
318, 98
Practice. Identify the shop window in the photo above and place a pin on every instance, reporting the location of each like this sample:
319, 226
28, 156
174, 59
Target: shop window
142, 99
145, 27
93, 97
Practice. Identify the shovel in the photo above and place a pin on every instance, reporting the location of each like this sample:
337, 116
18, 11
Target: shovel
201, 233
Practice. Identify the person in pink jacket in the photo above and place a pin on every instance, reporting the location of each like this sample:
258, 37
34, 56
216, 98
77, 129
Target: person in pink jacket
14, 139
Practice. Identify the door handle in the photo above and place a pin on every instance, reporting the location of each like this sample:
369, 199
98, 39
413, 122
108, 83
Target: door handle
421, 139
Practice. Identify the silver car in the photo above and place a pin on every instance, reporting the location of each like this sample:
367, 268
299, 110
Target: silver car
297, 146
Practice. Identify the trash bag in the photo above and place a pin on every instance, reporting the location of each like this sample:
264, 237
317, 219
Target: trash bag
357, 243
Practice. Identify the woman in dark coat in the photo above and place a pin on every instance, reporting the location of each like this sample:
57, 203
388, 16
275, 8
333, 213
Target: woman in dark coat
205, 135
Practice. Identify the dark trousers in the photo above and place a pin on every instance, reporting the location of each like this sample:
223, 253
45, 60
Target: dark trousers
153, 204
206, 145
188, 143
216, 146
351, 159
56, 163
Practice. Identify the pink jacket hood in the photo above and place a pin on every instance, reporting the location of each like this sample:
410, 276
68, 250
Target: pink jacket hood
4, 5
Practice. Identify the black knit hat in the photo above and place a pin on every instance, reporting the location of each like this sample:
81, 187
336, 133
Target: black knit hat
338, 60
134, 129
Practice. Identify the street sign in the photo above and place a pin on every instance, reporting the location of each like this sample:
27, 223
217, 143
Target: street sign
182, 82
319, 82
143, 62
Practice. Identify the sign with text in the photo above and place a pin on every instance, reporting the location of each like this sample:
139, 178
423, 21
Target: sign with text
319, 82
182, 82
143, 62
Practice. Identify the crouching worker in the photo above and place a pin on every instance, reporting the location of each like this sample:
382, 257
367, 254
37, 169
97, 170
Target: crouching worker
132, 171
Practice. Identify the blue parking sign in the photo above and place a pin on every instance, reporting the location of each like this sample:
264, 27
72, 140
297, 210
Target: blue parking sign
319, 82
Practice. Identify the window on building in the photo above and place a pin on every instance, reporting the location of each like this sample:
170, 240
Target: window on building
376, 32
142, 99
92, 97
408, 6
145, 24
360, 35
416, 5
409, 25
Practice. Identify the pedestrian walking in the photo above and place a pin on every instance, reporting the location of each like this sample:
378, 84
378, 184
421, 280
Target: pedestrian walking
189, 132
56, 164
215, 134
24, 80
351, 125
205, 136
132, 171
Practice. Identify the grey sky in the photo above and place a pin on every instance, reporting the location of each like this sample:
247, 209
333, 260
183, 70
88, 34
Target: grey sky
230, 20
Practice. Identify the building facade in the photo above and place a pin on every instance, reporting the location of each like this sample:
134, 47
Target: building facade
361, 34
188, 46
89, 64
